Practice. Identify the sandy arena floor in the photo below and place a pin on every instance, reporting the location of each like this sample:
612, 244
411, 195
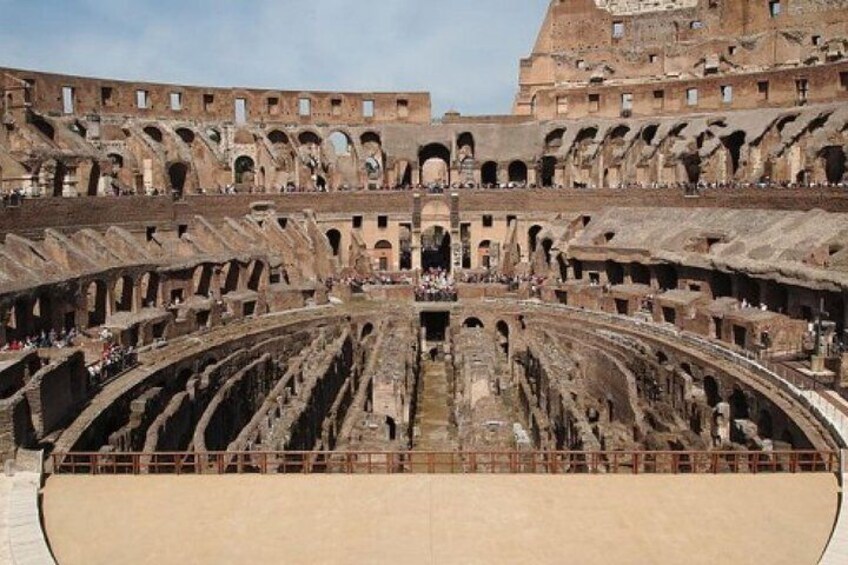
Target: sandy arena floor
582, 520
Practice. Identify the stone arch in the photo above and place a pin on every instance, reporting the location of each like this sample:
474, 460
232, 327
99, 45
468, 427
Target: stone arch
154, 133
553, 141
640, 274
341, 142
384, 255
586, 134
202, 279
117, 161
619, 132
334, 238
465, 141
739, 409
257, 270
648, 133
278, 137
434, 164
370, 137
466, 151
149, 289
712, 391
436, 248
244, 170
43, 126
484, 257
230, 276
177, 177
833, 161
96, 303
615, 272
403, 173
517, 172
503, 336
472, 322
733, 143
547, 168
667, 277
692, 166
547, 246
124, 294
59, 175
533, 237
309, 137
186, 135
94, 179
489, 173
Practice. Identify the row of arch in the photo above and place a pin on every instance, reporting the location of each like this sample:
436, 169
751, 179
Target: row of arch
100, 298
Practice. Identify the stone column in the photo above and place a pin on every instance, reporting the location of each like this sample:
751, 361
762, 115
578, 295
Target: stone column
415, 249
147, 176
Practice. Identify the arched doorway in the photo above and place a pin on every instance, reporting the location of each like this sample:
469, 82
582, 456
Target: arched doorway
484, 254
436, 249
149, 290
383, 255
489, 173
177, 174
96, 302
59, 178
124, 293
94, 179
334, 237
403, 174
533, 238
834, 163
733, 144
712, 391
518, 172
256, 276
548, 170
434, 161
243, 170
503, 336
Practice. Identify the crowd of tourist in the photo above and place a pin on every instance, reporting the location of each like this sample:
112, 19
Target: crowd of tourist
114, 360
359, 281
15, 197
44, 340
511, 281
436, 285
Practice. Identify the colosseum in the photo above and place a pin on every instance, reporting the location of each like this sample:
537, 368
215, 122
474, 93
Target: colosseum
278, 326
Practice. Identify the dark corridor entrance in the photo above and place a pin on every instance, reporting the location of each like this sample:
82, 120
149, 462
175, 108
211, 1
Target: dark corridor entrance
436, 325
436, 250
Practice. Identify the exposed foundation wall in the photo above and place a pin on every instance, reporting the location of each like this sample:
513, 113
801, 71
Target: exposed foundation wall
49, 399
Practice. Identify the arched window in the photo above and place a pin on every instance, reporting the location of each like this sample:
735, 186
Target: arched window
244, 170
518, 172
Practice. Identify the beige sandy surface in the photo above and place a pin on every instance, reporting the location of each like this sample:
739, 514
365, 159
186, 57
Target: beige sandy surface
440, 519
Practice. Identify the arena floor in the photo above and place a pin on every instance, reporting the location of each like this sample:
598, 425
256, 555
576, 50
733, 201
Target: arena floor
440, 519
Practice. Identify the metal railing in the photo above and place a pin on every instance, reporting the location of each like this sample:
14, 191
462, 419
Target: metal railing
461, 462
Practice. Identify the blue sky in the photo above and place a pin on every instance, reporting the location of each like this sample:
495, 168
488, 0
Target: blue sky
465, 52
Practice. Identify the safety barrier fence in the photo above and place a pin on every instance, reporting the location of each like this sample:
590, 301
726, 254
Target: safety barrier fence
413, 462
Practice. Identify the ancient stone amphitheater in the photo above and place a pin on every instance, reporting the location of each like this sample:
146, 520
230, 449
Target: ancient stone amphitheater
322, 327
